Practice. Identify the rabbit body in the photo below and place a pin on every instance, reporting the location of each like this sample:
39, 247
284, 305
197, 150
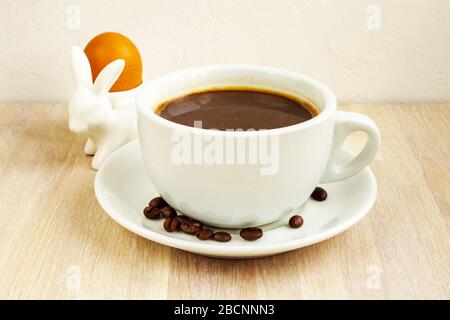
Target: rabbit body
92, 114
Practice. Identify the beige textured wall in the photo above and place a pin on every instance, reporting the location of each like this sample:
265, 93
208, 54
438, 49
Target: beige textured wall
337, 41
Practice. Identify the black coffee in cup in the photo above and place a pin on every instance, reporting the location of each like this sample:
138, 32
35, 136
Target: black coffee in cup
237, 108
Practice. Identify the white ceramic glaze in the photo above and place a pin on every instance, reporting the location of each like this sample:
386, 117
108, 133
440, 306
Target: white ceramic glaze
238, 195
123, 189
107, 119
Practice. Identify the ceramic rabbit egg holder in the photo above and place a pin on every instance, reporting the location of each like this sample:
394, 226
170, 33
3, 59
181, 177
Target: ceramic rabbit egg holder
108, 120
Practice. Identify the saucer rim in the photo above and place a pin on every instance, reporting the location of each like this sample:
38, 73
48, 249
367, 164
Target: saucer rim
227, 249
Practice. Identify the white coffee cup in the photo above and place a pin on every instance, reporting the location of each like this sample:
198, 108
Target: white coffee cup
244, 193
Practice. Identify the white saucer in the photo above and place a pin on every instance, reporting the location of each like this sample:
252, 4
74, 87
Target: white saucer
123, 189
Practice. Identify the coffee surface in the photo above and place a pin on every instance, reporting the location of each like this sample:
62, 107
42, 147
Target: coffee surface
245, 109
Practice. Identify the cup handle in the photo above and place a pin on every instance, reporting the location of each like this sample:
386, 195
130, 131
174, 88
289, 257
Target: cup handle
346, 123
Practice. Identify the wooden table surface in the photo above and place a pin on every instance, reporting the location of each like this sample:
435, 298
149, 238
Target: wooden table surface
56, 242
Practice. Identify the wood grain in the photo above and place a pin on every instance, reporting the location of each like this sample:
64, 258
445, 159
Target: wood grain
57, 243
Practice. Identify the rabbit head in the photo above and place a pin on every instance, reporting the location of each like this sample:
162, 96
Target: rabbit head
90, 107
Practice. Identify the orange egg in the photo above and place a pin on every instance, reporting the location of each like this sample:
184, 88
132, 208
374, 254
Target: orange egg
109, 46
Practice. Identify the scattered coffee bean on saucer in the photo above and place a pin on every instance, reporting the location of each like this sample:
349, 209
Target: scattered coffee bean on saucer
168, 212
191, 227
295, 221
205, 234
174, 222
183, 219
319, 194
171, 224
158, 202
222, 236
251, 234
152, 213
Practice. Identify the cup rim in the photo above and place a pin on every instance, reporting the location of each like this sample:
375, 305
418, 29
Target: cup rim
328, 108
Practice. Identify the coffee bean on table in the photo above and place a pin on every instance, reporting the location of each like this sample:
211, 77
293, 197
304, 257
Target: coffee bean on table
191, 227
152, 213
222, 236
251, 234
319, 194
205, 234
295, 221
171, 224
158, 202
168, 212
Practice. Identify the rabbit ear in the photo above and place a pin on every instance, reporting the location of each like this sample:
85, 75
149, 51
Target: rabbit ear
108, 76
80, 67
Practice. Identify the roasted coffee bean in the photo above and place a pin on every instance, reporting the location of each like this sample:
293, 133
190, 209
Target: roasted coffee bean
184, 219
251, 234
191, 227
205, 234
147, 211
319, 194
158, 202
152, 213
222, 236
168, 212
171, 224
295, 221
